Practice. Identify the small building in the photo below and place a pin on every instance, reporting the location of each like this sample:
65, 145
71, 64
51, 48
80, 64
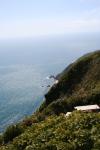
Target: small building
67, 114
88, 108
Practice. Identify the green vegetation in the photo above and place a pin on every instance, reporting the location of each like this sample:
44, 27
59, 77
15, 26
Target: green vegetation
1, 139
12, 132
48, 128
79, 131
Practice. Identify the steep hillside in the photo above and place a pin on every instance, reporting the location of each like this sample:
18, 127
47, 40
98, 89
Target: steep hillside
79, 84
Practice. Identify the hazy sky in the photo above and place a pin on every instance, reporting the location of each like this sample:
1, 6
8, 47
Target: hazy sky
31, 18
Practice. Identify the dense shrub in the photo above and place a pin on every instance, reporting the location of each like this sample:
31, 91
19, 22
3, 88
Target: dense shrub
12, 132
1, 139
27, 122
79, 131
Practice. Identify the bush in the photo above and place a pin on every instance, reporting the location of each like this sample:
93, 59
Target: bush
27, 122
1, 139
12, 132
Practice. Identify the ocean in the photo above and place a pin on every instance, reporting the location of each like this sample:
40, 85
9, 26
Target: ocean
25, 65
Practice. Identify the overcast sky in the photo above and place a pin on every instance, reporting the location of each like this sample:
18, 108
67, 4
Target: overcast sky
33, 18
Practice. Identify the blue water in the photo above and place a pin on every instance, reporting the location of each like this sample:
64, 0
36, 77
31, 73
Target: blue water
25, 64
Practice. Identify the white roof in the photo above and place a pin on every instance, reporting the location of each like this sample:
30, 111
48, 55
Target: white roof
68, 113
87, 107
